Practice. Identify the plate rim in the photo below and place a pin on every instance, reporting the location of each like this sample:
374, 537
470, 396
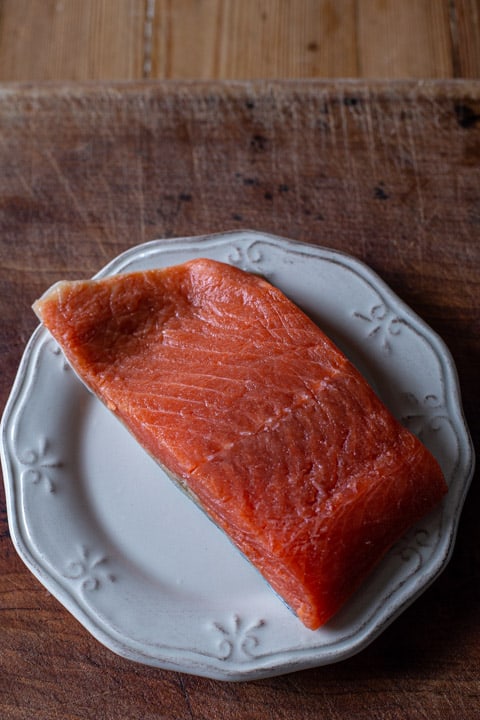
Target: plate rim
301, 658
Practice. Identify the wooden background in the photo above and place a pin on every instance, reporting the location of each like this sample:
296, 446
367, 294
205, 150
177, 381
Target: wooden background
388, 171
238, 39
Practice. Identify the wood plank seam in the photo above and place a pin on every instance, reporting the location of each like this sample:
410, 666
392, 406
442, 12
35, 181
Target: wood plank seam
358, 58
148, 38
452, 12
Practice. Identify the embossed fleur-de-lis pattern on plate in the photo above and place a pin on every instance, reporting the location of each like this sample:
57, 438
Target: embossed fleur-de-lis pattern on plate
57, 351
381, 325
39, 465
246, 257
88, 569
412, 547
427, 413
238, 638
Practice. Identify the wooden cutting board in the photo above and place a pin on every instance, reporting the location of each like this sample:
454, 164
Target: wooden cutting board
387, 172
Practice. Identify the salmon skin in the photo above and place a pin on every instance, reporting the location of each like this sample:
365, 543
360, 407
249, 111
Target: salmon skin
257, 414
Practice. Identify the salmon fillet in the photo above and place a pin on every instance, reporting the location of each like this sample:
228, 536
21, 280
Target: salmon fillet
257, 414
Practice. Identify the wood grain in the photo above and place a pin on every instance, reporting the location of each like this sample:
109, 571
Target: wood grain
226, 39
71, 39
404, 39
386, 171
465, 25
247, 40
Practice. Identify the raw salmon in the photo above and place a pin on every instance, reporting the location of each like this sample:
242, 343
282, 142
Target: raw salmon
259, 416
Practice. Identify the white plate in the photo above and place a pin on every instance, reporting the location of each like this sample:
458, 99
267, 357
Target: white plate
132, 558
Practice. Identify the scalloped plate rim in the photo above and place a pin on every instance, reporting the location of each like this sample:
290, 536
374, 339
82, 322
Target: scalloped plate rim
266, 666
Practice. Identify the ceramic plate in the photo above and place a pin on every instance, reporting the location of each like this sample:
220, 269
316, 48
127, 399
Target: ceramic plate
133, 559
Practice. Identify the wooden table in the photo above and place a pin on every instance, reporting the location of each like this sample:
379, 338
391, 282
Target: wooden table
231, 39
386, 171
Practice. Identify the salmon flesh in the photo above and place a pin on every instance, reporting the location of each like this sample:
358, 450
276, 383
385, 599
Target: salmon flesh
257, 414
